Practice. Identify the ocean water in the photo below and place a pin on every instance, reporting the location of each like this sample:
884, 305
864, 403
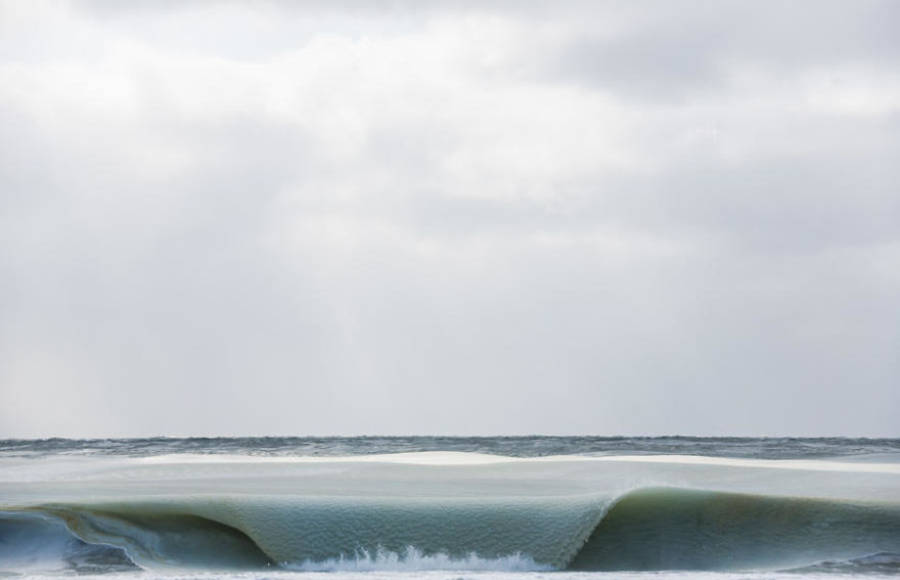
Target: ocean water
446, 508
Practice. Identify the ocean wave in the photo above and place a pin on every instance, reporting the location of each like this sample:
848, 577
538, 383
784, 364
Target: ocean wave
644, 529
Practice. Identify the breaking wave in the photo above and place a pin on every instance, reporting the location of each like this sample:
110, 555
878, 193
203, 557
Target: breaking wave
645, 529
35, 542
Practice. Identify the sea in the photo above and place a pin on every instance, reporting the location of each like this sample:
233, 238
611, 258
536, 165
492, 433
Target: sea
450, 508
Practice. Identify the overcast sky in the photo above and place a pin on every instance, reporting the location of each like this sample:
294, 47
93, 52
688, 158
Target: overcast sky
223, 218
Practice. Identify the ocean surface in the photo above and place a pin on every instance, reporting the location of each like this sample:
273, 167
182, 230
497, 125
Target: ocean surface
489, 508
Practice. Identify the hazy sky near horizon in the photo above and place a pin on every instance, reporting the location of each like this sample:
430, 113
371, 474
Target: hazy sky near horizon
225, 218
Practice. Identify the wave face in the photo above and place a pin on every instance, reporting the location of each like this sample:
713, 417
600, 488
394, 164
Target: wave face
448, 512
315, 533
650, 529
675, 529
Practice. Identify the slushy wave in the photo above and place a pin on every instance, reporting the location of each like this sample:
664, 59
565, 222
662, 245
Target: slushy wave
645, 529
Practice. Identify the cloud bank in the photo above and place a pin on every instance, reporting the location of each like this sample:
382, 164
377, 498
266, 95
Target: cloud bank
474, 218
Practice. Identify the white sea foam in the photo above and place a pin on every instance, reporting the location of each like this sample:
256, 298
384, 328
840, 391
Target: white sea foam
413, 560
449, 458
796, 464
464, 575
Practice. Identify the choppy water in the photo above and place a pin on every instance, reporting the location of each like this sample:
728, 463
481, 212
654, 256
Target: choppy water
437, 507
529, 446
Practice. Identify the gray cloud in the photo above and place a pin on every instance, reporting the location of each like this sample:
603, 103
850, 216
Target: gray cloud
676, 52
596, 218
